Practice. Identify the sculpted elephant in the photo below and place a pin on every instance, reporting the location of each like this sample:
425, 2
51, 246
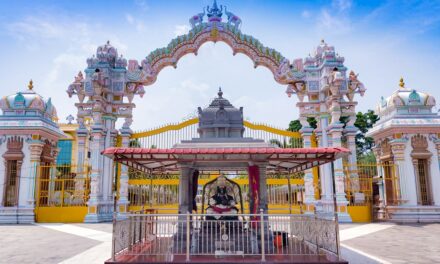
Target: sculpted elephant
233, 19
197, 19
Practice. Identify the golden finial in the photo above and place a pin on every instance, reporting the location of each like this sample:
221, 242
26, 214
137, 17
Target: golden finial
31, 85
402, 83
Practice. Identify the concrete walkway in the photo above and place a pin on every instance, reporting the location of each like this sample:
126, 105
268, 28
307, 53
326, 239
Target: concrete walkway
91, 243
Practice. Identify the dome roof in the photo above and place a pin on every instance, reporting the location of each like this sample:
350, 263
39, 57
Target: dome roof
28, 100
220, 119
405, 98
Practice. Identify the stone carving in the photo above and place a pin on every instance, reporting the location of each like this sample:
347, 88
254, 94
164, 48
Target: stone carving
128, 122
95, 186
77, 88
354, 85
233, 19
419, 143
197, 19
14, 147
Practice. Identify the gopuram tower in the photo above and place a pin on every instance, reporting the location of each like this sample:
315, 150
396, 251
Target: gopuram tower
101, 93
327, 94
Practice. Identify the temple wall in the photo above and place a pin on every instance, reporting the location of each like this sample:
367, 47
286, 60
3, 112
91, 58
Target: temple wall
434, 172
27, 183
2, 170
407, 177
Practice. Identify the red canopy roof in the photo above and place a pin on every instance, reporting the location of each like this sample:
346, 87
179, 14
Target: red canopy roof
291, 159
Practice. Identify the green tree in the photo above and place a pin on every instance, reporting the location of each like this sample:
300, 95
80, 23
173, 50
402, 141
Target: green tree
295, 125
364, 121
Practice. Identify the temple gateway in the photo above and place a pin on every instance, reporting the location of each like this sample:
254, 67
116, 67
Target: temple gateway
220, 225
216, 185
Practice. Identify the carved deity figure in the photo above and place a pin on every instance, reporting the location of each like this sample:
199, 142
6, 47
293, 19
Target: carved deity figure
222, 203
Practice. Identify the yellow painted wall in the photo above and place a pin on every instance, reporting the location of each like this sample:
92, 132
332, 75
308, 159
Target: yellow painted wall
360, 213
71, 214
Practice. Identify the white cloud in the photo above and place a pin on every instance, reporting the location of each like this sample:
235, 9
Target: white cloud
137, 23
342, 5
129, 18
305, 14
332, 24
142, 4
181, 30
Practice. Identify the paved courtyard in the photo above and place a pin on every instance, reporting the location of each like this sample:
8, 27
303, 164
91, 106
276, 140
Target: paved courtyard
90, 243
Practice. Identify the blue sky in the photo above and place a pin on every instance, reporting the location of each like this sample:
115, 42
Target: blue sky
49, 41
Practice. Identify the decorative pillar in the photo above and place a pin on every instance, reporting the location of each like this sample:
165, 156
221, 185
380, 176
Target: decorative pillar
184, 199
123, 201
350, 134
263, 203
82, 168
435, 174
309, 183
35, 148
335, 130
325, 170
379, 180
27, 214
110, 93
404, 181
95, 212
107, 167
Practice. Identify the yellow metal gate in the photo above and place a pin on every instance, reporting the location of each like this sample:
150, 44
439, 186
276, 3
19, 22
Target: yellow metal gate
62, 193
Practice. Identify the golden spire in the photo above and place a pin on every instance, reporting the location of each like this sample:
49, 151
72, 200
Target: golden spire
31, 85
402, 83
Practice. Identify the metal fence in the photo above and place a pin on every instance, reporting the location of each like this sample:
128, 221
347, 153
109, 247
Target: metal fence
163, 237
62, 186
167, 135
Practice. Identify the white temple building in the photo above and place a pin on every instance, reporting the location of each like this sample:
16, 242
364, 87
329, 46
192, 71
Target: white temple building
28, 139
408, 136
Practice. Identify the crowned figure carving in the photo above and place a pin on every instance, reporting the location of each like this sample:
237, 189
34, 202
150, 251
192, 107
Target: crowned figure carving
222, 203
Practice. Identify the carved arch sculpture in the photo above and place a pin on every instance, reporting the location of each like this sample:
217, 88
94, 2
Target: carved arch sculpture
386, 150
283, 71
232, 187
419, 146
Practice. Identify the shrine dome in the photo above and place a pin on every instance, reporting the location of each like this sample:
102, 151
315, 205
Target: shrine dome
406, 101
220, 119
28, 103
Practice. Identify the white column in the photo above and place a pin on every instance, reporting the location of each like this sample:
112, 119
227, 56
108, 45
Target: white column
306, 133
352, 158
435, 175
35, 148
107, 167
95, 212
263, 203
82, 137
184, 199
339, 177
123, 201
406, 180
325, 170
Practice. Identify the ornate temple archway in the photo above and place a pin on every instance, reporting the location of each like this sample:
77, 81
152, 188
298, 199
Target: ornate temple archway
324, 88
215, 30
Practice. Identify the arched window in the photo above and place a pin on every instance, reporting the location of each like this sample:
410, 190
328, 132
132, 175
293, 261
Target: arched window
13, 159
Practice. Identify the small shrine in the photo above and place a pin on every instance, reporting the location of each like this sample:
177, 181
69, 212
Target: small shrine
224, 227
407, 134
28, 138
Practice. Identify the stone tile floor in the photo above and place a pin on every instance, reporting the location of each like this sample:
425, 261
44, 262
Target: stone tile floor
90, 243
